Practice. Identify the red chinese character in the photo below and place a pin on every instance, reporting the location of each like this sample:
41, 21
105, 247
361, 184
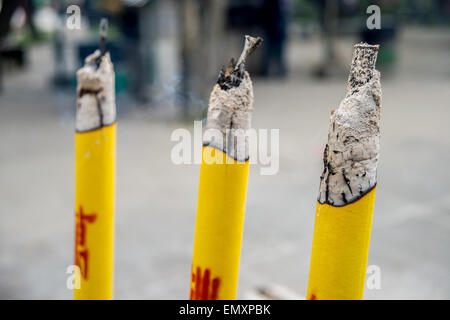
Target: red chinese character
81, 252
203, 287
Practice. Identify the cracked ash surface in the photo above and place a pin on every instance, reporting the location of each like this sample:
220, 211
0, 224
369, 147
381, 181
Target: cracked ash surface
229, 114
351, 155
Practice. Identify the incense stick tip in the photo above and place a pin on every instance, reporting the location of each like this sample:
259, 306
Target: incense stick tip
251, 43
365, 45
103, 27
362, 66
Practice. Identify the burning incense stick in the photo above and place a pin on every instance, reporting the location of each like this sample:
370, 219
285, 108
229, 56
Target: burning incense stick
223, 184
347, 187
95, 144
103, 34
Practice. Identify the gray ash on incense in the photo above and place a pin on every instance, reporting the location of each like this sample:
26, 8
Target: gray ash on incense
362, 67
351, 155
96, 106
231, 106
96, 103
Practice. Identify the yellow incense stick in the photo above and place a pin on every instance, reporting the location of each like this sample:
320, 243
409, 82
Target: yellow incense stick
340, 250
95, 152
219, 227
348, 184
223, 185
94, 210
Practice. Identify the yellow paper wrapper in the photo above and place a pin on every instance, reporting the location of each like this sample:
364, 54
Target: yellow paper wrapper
340, 250
94, 211
219, 226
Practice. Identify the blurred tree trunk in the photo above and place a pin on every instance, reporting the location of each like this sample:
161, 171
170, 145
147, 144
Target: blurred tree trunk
330, 25
201, 40
329, 20
7, 9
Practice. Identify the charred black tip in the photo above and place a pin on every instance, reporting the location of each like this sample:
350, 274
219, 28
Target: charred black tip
233, 74
229, 77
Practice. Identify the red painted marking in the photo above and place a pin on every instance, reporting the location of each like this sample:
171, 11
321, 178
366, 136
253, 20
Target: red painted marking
202, 288
215, 288
312, 297
81, 252
198, 282
205, 284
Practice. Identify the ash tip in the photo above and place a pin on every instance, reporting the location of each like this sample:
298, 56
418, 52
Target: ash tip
254, 42
103, 27
103, 34
364, 52
251, 43
232, 75
364, 45
362, 66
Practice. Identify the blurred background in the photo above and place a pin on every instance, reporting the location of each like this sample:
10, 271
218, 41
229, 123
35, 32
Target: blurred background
167, 55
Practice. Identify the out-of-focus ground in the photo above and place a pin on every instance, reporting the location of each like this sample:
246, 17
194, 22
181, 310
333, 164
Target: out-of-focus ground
156, 200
